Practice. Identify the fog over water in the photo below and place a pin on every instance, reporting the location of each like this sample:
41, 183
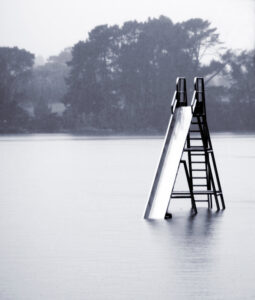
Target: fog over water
46, 27
71, 223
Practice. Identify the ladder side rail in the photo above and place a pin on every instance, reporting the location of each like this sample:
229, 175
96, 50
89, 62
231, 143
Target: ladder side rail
213, 186
193, 203
189, 161
209, 178
216, 169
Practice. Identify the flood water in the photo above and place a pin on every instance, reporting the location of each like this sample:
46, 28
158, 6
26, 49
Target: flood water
72, 227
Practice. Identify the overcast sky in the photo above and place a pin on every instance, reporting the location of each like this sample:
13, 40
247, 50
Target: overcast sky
45, 27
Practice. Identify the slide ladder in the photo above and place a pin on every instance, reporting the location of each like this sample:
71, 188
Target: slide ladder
203, 172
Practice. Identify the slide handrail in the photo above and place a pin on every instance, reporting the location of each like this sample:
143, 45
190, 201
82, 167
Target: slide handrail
174, 102
198, 98
180, 94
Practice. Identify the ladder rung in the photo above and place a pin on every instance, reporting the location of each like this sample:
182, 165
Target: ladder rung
198, 147
199, 115
194, 148
201, 201
198, 169
203, 192
187, 194
199, 184
195, 138
193, 130
181, 193
197, 123
198, 162
199, 177
180, 196
197, 154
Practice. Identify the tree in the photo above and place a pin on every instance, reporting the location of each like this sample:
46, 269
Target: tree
91, 81
15, 72
62, 58
121, 78
126, 71
242, 89
200, 39
48, 83
46, 89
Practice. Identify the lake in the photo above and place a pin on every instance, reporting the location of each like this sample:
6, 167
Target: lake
72, 227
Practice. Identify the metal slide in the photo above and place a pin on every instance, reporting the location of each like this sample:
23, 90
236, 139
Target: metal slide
187, 131
169, 163
175, 139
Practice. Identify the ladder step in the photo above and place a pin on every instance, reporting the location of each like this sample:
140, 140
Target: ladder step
199, 115
194, 148
197, 154
193, 130
199, 184
198, 169
181, 194
195, 138
201, 201
199, 177
203, 192
197, 123
198, 162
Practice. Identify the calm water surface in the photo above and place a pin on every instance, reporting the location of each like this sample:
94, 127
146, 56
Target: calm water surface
71, 223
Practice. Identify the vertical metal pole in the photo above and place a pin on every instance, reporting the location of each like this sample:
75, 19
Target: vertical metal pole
193, 203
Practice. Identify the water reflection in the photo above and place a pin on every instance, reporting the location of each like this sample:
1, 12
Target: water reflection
190, 233
197, 230
192, 243
203, 224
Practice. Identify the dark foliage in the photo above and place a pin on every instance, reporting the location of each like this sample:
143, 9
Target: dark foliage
121, 80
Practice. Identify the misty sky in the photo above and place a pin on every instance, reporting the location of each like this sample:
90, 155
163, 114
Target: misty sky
45, 27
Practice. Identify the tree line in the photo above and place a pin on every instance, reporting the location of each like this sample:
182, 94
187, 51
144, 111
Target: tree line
120, 80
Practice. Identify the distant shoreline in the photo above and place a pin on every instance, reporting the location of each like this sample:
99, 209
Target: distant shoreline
67, 135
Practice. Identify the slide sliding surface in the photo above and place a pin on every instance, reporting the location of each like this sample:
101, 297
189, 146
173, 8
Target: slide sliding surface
163, 184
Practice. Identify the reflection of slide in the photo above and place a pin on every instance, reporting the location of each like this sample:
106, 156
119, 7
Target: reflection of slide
169, 162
